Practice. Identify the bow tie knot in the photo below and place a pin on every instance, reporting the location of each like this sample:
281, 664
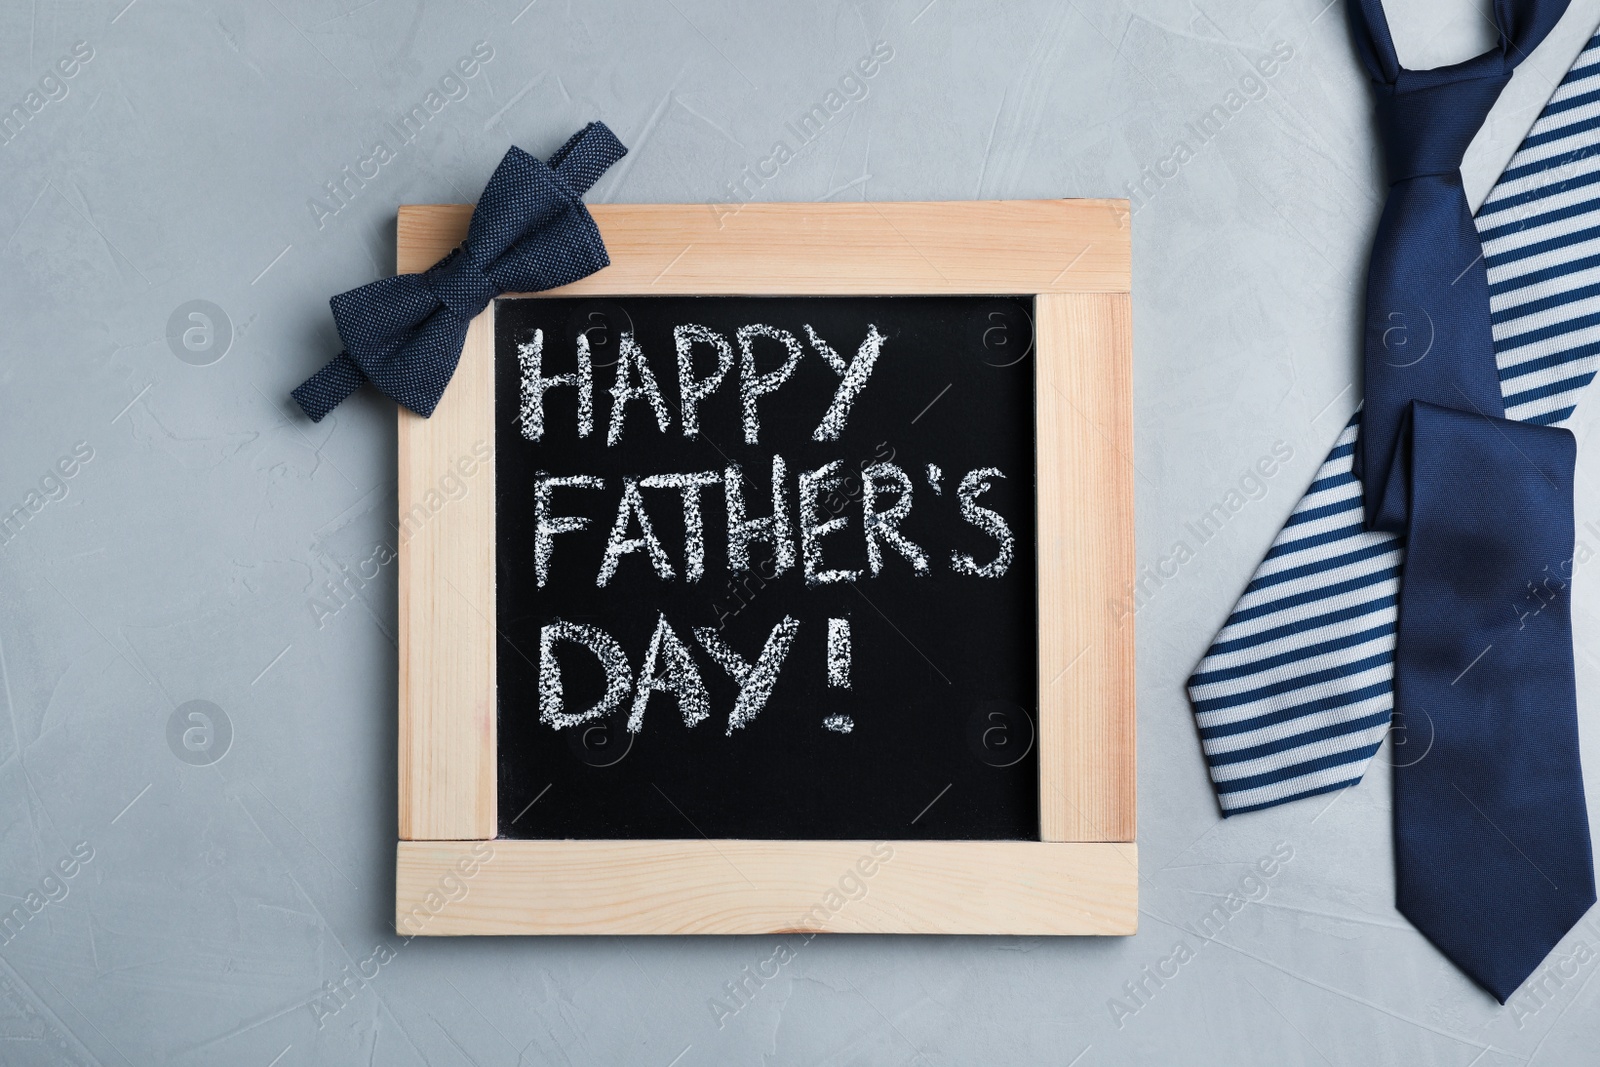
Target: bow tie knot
1426, 129
460, 283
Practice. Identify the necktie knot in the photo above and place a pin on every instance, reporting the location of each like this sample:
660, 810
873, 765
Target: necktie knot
1426, 130
1428, 117
460, 284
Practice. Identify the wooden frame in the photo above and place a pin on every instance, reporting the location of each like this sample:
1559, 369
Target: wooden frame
454, 877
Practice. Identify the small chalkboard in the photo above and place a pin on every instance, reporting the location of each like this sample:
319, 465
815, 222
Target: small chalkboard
782, 558
765, 567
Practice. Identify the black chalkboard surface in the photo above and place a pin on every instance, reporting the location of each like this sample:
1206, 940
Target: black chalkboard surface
867, 669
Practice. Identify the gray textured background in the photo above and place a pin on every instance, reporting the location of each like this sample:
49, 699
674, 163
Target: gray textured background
181, 562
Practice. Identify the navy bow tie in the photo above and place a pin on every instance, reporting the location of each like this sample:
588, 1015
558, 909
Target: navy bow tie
529, 232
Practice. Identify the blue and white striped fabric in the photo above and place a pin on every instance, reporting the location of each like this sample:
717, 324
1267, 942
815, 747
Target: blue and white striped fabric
1296, 693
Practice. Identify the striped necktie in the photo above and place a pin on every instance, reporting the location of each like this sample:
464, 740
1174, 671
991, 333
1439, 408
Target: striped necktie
1493, 858
1296, 693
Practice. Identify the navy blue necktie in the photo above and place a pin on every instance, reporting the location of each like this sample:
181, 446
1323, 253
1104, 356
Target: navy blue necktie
1302, 684
1491, 834
529, 232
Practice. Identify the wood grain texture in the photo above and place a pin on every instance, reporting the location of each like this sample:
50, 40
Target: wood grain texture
446, 605
1080, 880
986, 246
1087, 780
749, 887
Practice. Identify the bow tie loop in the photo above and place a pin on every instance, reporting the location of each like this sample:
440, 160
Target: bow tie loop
587, 154
526, 194
460, 283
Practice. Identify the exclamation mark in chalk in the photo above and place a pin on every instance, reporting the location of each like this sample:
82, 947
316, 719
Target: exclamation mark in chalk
839, 671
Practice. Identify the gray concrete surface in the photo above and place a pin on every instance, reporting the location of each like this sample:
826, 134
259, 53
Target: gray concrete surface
222, 896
